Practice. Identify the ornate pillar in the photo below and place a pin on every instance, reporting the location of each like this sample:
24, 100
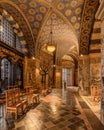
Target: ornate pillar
29, 72
84, 71
100, 16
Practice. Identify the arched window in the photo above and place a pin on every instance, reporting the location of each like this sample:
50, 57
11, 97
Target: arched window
8, 36
5, 69
19, 46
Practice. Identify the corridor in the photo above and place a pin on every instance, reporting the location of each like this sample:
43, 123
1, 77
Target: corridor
60, 110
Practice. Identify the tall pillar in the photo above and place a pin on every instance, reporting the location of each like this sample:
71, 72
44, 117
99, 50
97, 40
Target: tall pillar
84, 71
0, 74
100, 16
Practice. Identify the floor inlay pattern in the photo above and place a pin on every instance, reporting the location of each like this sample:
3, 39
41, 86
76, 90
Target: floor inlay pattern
57, 111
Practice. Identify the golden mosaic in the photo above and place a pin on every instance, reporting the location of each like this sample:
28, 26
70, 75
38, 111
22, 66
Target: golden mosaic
73, 19
31, 11
77, 26
53, 16
36, 24
39, 17
86, 25
33, 4
78, 11
23, 6
68, 12
61, 31
31, 18
60, 6
42, 9
73, 3
66, 16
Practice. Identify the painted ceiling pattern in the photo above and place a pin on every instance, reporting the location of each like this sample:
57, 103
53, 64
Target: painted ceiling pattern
60, 35
33, 17
86, 26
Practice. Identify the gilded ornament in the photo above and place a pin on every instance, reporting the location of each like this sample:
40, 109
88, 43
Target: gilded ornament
31, 18
60, 6
77, 26
31, 11
78, 11
73, 3
53, 15
42, 9
60, 21
23, 6
39, 17
68, 12
33, 4
36, 24
73, 19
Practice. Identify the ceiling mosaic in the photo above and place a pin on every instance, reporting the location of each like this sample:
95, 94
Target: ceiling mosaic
33, 16
61, 37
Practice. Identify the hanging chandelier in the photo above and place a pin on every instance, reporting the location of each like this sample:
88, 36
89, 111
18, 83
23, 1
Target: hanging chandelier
50, 46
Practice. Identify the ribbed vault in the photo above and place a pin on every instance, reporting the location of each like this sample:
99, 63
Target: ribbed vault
33, 17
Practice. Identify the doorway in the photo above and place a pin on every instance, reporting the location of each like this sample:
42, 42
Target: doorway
66, 77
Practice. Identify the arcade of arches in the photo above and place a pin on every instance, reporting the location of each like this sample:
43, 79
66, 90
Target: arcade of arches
78, 37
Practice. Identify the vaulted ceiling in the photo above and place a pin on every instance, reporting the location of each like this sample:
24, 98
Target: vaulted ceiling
34, 19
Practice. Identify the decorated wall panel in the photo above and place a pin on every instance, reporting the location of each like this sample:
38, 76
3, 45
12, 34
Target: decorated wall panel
95, 76
29, 72
84, 74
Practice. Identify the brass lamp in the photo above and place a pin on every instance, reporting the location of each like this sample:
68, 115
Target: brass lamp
50, 46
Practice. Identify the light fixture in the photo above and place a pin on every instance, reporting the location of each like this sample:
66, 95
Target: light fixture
50, 46
33, 58
81, 55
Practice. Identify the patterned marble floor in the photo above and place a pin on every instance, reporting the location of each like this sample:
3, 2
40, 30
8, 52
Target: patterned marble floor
60, 110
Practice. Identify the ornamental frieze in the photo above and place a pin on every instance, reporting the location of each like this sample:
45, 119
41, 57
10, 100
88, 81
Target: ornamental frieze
7, 53
88, 15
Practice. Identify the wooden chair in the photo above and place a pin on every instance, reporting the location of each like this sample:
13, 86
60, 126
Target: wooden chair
14, 102
31, 96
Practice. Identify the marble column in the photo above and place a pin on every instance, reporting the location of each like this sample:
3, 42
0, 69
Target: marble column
100, 16
84, 73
